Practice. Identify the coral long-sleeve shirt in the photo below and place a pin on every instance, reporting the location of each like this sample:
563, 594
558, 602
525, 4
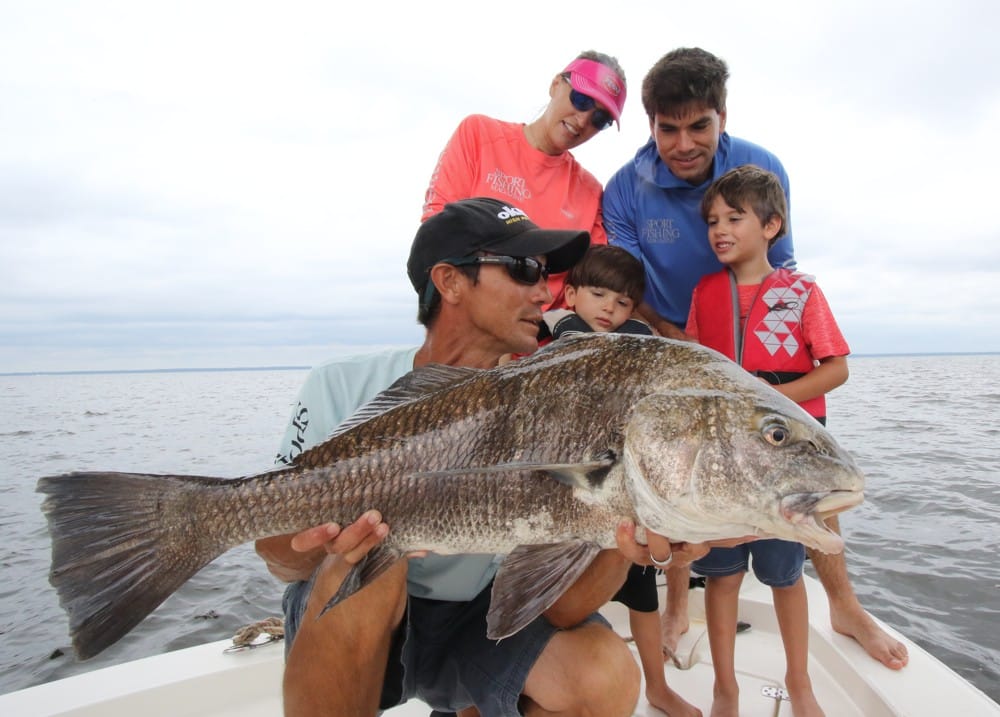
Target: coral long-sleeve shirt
489, 158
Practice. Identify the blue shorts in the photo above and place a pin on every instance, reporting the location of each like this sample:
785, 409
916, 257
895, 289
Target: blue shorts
776, 563
441, 655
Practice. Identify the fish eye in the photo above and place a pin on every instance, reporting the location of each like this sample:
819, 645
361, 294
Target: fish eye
776, 433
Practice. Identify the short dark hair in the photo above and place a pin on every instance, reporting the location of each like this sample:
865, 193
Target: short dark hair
610, 267
427, 311
682, 76
753, 188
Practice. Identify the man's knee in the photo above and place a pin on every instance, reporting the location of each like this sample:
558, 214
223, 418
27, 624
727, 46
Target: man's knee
588, 670
608, 678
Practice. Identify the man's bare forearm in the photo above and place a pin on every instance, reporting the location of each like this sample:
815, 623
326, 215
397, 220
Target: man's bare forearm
591, 591
284, 562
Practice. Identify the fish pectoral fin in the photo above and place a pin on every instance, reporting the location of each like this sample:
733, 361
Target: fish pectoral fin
530, 579
588, 475
378, 560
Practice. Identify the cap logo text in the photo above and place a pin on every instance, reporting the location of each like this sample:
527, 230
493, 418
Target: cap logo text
510, 212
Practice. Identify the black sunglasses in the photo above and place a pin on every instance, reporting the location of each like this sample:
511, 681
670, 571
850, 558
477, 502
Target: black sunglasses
601, 119
523, 269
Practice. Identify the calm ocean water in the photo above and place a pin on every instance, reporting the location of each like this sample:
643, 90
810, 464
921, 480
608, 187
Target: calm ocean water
922, 548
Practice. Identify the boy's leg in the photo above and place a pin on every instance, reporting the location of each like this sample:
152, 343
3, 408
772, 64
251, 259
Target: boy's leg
847, 615
722, 596
587, 671
674, 621
645, 628
792, 609
321, 676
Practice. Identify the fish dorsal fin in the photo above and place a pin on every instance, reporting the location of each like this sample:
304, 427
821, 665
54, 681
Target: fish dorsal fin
589, 475
429, 378
530, 579
410, 386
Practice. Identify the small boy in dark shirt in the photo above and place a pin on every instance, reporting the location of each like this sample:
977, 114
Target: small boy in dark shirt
602, 290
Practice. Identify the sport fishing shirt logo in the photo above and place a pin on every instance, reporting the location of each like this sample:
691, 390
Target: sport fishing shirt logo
660, 231
508, 186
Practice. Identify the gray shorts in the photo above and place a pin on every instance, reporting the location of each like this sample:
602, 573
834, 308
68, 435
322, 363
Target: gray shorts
440, 654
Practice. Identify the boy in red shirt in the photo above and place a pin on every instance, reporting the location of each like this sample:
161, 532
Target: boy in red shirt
777, 324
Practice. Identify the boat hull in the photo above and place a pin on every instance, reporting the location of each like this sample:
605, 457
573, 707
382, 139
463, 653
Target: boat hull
208, 681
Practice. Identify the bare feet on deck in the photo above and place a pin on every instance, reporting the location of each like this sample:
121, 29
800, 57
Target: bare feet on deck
877, 642
725, 703
801, 696
671, 628
668, 701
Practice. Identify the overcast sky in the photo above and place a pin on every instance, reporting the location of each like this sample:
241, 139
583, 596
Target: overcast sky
217, 184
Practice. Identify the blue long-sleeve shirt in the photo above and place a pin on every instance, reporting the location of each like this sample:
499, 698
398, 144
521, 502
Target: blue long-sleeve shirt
657, 218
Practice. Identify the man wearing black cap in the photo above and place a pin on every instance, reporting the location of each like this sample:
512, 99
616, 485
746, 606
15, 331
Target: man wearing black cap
479, 269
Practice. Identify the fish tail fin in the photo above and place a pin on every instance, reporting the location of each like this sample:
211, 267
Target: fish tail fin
121, 544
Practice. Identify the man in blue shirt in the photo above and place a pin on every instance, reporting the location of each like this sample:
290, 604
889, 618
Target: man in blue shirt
652, 208
652, 204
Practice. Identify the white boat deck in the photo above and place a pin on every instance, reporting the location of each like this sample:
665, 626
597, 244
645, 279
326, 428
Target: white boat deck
208, 682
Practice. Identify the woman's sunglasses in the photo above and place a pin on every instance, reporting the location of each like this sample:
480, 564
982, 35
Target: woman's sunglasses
601, 119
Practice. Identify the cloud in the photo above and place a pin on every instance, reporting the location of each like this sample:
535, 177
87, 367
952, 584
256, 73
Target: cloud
232, 181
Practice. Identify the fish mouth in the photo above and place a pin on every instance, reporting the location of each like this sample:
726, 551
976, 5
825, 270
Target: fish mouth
806, 512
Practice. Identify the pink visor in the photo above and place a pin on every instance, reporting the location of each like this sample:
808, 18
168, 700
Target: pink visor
599, 82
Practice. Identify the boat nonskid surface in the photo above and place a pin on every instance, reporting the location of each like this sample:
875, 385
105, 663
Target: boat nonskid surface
212, 680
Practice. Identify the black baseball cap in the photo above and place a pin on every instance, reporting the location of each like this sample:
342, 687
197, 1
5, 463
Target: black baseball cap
468, 226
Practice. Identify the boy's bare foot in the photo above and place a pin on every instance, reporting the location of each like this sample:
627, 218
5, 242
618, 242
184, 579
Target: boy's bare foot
877, 642
803, 700
668, 701
725, 704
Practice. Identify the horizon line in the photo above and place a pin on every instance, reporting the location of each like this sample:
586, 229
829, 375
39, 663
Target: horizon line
204, 369
208, 369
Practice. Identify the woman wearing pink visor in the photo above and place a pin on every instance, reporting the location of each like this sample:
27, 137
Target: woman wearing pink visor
530, 164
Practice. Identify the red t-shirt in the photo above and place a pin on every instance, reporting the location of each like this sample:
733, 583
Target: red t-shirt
819, 328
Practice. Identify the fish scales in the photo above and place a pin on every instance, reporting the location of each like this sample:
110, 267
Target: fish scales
552, 449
